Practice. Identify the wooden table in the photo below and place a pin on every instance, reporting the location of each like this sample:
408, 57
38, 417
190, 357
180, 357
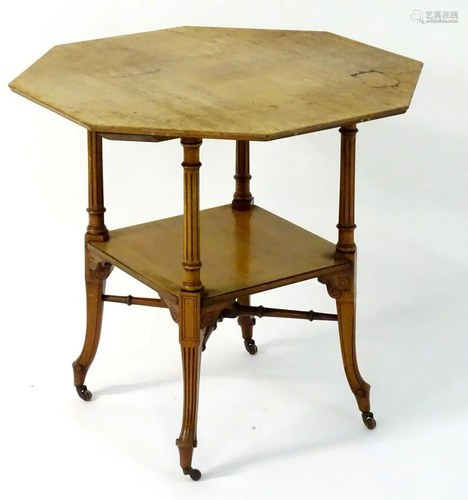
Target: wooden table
240, 84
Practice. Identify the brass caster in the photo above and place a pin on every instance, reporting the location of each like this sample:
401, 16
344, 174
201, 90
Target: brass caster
194, 474
250, 346
83, 392
369, 420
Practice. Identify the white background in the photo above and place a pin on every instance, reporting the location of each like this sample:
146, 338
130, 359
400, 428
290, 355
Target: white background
282, 424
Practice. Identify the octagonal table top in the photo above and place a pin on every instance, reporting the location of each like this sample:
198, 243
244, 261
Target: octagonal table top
225, 83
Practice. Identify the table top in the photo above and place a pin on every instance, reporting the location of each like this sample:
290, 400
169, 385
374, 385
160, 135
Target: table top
224, 83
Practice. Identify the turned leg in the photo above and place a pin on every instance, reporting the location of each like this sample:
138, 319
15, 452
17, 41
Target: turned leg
243, 200
190, 306
96, 271
247, 323
342, 286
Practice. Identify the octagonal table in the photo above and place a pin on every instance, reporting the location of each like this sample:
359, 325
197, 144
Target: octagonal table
240, 84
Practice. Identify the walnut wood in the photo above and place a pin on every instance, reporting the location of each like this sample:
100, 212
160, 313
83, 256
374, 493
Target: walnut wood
190, 303
242, 196
137, 301
244, 252
224, 83
190, 337
96, 269
191, 249
342, 286
221, 83
346, 225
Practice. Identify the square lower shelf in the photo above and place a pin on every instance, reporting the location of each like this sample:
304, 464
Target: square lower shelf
241, 253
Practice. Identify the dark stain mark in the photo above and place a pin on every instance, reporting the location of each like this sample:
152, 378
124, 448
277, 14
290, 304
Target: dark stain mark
376, 79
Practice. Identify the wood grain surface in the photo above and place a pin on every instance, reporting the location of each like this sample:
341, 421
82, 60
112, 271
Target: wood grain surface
202, 82
242, 252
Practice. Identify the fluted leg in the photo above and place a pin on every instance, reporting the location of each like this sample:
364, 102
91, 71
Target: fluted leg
190, 306
190, 343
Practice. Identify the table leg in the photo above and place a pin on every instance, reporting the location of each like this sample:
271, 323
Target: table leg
247, 323
342, 286
96, 274
190, 343
96, 271
243, 200
190, 305
346, 308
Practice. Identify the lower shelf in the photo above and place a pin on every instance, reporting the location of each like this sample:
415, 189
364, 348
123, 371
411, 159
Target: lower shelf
241, 253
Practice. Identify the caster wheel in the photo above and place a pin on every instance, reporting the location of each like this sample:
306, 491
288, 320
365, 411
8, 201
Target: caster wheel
83, 392
194, 474
369, 420
250, 346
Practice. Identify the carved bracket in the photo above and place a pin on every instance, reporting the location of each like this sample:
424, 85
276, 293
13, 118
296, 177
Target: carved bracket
99, 269
211, 316
336, 284
171, 304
